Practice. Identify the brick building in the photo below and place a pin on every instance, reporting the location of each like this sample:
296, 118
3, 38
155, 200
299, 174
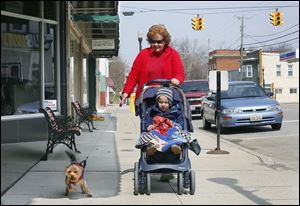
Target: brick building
228, 60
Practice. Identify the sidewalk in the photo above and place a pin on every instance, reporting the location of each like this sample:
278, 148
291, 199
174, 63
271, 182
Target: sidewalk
242, 177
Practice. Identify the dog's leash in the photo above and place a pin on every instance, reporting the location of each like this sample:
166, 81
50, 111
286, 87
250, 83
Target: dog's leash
83, 162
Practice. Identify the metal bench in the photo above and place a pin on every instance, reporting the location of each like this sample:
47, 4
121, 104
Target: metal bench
60, 131
83, 115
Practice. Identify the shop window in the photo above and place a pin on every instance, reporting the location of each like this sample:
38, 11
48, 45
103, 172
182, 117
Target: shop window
84, 82
20, 66
50, 10
50, 63
30, 8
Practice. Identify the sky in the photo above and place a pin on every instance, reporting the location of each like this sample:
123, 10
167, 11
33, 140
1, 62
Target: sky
221, 23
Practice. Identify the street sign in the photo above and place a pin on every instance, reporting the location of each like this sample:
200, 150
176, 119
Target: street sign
213, 80
217, 76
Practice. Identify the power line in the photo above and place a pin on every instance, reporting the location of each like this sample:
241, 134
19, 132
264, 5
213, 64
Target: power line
235, 42
273, 33
280, 42
230, 12
255, 8
215, 8
273, 38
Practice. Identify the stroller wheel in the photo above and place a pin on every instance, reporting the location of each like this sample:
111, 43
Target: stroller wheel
186, 180
136, 178
192, 182
180, 183
148, 184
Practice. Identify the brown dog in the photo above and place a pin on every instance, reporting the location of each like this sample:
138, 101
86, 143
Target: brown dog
74, 175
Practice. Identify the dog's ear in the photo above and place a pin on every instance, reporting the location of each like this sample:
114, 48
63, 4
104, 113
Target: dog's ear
83, 163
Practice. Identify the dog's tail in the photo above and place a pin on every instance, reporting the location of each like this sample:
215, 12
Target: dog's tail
71, 156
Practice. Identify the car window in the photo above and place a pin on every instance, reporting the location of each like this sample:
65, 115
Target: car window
195, 86
243, 91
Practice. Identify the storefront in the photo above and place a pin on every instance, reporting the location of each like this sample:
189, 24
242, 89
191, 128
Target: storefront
55, 73
30, 71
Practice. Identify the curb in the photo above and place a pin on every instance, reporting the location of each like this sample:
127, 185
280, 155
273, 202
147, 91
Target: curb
264, 159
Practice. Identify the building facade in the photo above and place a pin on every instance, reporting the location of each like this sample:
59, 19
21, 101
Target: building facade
283, 76
279, 77
277, 73
60, 70
225, 60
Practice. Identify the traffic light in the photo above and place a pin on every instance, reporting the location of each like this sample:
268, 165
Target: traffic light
272, 15
276, 18
197, 23
200, 24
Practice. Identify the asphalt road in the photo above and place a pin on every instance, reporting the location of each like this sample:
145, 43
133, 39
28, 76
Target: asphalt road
282, 146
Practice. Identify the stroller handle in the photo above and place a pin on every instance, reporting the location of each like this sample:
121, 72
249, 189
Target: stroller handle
163, 82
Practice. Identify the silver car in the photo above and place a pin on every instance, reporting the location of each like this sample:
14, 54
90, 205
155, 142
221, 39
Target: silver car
245, 103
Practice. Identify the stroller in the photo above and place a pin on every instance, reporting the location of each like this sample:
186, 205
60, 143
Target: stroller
163, 162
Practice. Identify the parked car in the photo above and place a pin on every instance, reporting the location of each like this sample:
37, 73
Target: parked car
245, 103
28, 108
194, 91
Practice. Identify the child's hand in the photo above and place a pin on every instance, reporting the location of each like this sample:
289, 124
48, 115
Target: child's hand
150, 127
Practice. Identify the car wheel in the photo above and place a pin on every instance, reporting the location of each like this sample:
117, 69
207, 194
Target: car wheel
276, 126
206, 124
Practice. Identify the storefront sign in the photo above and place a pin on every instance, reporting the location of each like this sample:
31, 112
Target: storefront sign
103, 44
292, 56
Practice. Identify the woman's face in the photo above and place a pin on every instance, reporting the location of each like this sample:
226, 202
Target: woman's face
157, 43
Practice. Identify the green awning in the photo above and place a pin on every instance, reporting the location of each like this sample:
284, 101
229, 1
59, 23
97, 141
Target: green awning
96, 18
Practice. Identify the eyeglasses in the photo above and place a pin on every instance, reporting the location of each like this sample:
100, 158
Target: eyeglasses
156, 41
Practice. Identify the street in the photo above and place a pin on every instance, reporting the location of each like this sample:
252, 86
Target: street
281, 146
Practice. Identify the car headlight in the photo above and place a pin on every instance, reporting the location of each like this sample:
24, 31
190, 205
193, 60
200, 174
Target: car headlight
232, 111
273, 107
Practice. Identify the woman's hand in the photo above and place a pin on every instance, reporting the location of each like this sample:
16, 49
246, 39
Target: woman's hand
175, 82
123, 99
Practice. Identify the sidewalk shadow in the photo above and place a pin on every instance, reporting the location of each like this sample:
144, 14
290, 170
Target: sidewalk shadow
47, 179
232, 183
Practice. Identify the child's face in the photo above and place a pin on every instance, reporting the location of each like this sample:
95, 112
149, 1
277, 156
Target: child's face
163, 103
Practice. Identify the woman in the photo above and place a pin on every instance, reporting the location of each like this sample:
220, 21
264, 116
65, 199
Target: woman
159, 61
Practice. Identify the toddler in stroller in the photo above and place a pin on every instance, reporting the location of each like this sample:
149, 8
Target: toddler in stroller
164, 139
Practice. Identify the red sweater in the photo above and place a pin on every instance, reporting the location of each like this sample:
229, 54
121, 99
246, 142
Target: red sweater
147, 67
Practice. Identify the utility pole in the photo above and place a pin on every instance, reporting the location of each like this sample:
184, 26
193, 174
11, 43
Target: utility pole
261, 78
208, 45
241, 49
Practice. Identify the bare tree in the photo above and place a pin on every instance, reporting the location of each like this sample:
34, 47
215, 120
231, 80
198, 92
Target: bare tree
194, 58
280, 48
117, 73
277, 48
